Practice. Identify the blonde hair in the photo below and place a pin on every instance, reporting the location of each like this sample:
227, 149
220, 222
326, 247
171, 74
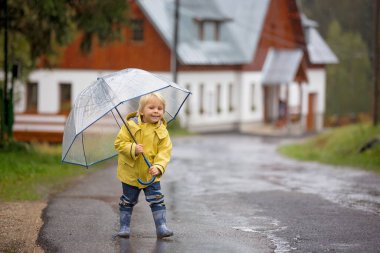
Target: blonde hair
146, 98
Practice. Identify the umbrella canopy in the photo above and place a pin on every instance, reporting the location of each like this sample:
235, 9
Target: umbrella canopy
94, 120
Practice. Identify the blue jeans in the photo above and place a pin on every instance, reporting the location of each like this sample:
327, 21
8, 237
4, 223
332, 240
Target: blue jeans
152, 193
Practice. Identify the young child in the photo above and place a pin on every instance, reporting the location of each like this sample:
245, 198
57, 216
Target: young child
149, 129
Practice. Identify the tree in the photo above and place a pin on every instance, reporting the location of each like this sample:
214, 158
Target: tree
38, 28
349, 82
353, 20
44, 25
352, 15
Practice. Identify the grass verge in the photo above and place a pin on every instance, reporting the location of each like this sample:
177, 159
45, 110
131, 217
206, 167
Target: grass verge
32, 172
339, 146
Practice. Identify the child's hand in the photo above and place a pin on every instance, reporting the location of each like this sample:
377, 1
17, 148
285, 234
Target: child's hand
154, 171
139, 149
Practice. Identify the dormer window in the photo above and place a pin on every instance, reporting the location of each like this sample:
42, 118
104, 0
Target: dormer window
209, 29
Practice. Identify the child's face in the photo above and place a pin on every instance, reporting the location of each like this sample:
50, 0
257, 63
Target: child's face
152, 111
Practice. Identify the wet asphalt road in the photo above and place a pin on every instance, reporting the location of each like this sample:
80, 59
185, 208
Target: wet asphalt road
225, 193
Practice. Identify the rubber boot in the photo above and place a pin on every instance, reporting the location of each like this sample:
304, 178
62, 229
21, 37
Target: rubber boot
125, 221
160, 220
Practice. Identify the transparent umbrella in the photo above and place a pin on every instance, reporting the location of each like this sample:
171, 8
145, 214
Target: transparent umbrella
96, 116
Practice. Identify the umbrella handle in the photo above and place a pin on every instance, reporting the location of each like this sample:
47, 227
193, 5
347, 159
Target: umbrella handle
153, 178
147, 183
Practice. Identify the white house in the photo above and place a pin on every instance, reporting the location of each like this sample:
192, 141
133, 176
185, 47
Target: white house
254, 66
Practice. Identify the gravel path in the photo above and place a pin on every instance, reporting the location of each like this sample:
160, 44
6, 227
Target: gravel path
20, 224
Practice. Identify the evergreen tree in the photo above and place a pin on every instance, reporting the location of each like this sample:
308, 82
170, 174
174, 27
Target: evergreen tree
348, 83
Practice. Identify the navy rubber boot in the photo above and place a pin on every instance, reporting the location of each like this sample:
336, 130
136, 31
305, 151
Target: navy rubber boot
162, 230
125, 221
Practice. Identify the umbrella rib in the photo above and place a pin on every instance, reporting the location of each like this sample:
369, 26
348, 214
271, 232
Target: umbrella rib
179, 108
84, 152
87, 166
126, 125
117, 122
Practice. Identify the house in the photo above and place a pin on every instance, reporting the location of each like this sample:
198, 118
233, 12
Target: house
254, 66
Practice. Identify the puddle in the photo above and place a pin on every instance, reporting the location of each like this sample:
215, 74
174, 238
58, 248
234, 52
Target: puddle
281, 245
267, 227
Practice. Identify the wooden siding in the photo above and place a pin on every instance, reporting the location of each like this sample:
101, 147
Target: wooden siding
282, 29
44, 137
152, 53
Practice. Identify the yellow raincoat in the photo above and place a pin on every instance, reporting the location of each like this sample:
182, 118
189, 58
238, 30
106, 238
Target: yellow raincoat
157, 149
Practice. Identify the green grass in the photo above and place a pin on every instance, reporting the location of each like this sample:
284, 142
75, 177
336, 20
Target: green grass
339, 146
33, 172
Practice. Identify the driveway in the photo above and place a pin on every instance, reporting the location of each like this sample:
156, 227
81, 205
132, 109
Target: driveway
225, 193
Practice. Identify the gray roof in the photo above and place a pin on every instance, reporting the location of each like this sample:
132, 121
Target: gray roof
318, 50
239, 33
281, 66
203, 10
242, 22
306, 22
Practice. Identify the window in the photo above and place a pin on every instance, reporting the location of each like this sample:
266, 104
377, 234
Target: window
201, 102
253, 108
231, 97
31, 97
137, 29
65, 97
209, 30
218, 98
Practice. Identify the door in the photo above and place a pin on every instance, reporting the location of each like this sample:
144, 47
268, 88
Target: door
310, 120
